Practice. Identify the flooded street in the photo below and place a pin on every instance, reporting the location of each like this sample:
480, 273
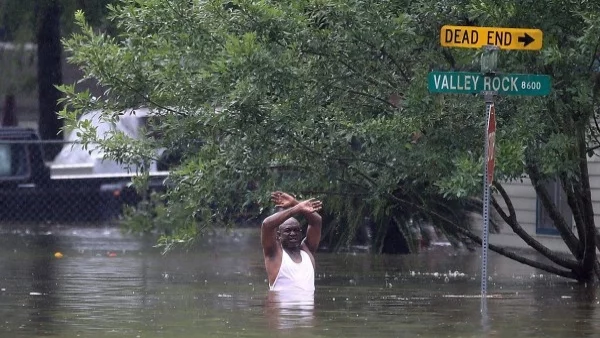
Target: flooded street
107, 284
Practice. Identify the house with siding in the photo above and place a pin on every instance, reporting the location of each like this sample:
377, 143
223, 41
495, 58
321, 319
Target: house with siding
532, 216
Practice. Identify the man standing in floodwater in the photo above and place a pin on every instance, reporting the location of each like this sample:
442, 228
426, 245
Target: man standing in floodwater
289, 259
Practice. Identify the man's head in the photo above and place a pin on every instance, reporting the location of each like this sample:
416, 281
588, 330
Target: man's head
290, 234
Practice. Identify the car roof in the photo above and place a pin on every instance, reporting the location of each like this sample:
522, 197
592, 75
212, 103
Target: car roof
18, 133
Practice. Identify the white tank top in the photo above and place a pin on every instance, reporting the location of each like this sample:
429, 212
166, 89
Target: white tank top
295, 276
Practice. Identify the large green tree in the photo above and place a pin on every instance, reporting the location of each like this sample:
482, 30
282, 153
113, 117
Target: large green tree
329, 98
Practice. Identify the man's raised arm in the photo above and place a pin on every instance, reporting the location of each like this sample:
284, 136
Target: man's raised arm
313, 232
268, 235
293, 207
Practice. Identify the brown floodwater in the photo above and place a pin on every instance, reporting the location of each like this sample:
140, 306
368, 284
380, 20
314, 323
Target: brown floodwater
109, 284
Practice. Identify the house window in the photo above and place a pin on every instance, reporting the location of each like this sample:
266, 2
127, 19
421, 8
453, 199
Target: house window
544, 224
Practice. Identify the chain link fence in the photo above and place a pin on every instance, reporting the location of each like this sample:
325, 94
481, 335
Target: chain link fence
73, 187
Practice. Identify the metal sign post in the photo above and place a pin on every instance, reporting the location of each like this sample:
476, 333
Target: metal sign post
489, 83
489, 63
488, 175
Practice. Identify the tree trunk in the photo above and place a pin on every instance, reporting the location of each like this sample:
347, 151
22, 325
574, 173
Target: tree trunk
589, 260
49, 72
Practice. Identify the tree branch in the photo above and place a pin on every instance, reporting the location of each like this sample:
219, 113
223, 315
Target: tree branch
563, 262
575, 205
363, 160
355, 92
449, 58
385, 54
589, 240
527, 238
512, 255
361, 174
512, 215
567, 235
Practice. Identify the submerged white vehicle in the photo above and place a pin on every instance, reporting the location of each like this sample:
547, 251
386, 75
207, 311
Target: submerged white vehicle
74, 161
30, 193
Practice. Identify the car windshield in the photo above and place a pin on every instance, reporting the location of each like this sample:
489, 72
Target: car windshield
13, 160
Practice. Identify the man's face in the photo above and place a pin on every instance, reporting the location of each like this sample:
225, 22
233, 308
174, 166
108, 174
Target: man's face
290, 234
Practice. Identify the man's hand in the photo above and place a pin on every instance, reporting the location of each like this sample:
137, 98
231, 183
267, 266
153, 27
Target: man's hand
291, 207
309, 206
283, 200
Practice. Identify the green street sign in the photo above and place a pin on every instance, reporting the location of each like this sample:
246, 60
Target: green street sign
474, 83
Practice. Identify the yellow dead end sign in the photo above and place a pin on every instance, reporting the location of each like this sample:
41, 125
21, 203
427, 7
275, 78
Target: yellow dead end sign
504, 38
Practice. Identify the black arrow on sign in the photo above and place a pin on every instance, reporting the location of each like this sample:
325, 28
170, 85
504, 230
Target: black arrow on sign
527, 39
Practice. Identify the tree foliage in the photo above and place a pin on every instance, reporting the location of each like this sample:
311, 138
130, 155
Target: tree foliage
329, 98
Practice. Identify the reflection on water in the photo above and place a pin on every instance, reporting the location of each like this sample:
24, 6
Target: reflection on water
110, 284
290, 310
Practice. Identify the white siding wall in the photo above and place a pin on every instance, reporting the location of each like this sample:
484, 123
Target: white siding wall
524, 200
594, 171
